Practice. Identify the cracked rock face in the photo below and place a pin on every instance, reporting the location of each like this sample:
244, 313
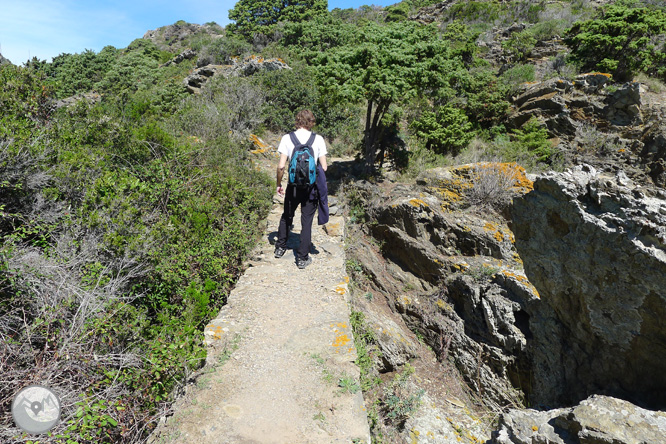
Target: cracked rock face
595, 248
596, 420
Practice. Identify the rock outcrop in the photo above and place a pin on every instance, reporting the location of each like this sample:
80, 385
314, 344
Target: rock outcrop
598, 419
245, 67
595, 248
563, 106
454, 277
432, 13
185, 55
174, 37
4, 61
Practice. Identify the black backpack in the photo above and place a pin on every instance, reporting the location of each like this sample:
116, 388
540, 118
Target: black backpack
303, 165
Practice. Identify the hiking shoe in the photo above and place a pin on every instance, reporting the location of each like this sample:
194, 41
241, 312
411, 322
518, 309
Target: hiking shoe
279, 252
302, 263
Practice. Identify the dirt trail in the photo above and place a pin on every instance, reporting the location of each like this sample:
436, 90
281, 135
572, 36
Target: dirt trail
280, 366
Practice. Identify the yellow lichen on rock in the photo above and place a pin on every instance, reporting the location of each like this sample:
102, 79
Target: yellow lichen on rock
417, 203
523, 280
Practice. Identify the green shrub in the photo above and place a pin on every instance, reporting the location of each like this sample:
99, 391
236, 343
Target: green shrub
447, 130
24, 102
519, 45
397, 12
131, 72
527, 146
77, 73
120, 234
622, 40
513, 77
483, 98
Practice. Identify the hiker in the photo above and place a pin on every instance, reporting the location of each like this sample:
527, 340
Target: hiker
309, 196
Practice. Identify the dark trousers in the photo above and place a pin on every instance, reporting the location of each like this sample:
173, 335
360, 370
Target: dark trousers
307, 199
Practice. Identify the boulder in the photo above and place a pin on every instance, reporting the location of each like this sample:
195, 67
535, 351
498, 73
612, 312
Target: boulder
432, 13
596, 420
176, 36
564, 107
595, 248
185, 55
593, 82
245, 67
624, 105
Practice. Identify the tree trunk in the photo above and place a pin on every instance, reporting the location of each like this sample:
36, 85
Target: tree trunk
373, 132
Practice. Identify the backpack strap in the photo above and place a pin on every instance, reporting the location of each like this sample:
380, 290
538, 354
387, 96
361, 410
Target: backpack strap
294, 139
309, 143
311, 140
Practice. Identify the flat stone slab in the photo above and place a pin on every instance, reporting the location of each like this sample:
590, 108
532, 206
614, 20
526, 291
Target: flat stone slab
280, 367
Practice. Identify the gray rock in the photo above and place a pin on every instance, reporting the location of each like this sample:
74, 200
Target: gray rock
596, 251
624, 105
596, 420
246, 67
592, 82
185, 55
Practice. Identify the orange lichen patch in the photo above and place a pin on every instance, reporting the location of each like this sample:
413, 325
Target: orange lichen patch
417, 203
341, 339
522, 280
257, 141
444, 305
215, 331
346, 279
514, 173
461, 267
499, 233
261, 147
340, 289
535, 428
451, 191
605, 74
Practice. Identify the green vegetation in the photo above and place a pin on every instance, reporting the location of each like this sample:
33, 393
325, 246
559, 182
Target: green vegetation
127, 210
623, 40
364, 338
121, 232
447, 130
253, 17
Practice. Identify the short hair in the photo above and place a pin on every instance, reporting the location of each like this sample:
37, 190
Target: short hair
305, 119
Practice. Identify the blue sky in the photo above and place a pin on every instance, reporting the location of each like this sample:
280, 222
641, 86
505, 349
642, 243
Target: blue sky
46, 28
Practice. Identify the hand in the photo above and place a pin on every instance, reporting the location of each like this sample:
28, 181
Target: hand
280, 191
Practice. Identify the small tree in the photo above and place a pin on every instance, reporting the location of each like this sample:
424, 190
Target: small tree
622, 41
445, 131
383, 65
261, 16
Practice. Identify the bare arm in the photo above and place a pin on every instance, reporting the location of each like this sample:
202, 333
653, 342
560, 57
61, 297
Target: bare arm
279, 173
322, 162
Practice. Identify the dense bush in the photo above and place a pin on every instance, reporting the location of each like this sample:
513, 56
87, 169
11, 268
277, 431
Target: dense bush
121, 232
253, 18
622, 40
446, 130
528, 145
78, 73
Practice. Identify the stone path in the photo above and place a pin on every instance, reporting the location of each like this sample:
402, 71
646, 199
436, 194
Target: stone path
280, 366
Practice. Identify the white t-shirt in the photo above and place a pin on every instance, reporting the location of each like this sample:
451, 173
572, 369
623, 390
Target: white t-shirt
287, 147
